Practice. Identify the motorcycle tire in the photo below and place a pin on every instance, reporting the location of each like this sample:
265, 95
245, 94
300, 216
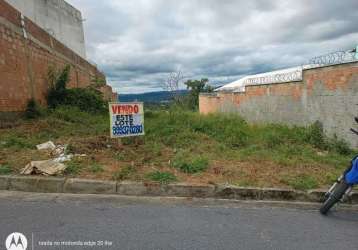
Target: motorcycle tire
336, 195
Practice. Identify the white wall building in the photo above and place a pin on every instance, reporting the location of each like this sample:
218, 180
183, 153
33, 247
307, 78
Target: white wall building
58, 18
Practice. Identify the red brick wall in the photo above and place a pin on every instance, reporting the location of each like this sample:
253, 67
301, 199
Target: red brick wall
333, 78
208, 103
24, 63
326, 94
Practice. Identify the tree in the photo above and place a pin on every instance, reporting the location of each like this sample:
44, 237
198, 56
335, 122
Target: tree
196, 87
172, 85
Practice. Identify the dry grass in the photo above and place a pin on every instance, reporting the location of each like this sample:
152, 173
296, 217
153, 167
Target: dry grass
240, 155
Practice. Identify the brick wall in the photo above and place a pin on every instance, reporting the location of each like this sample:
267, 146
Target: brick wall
25, 61
327, 94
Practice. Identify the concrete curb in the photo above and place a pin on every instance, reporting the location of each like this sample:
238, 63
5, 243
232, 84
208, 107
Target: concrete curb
35, 184
85, 186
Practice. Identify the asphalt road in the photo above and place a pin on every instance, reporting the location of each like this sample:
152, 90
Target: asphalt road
112, 222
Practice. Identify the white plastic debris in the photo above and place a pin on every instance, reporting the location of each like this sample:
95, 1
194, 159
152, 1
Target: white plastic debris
63, 158
80, 155
48, 167
46, 146
53, 166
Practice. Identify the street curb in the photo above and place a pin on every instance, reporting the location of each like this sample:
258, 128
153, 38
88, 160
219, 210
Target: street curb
87, 186
155, 189
251, 193
4, 182
83, 186
35, 184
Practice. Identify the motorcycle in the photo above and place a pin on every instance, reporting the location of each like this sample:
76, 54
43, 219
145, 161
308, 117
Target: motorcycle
343, 186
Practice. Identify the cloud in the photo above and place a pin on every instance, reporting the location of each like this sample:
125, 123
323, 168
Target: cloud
138, 43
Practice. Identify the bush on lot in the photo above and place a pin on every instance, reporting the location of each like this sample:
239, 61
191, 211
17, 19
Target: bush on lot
74, 167
190, 166
315, 135
162, 177
124, 173
96, 168
16, 142
339, 146
33, 110
58, 81
303, 182
5, 169
86, 99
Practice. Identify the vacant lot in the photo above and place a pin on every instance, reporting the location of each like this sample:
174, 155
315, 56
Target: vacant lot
180, 145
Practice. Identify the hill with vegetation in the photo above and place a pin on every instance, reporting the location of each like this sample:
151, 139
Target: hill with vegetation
151, 97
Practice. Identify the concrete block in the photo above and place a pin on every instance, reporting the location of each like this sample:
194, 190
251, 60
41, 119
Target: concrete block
248, 193
283, 194
4, 182
83, 186
36, 184
156, 189
140, 189
239, 193
316, 195
188, 190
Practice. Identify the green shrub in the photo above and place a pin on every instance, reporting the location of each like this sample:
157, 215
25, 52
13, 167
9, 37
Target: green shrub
58, 82
315, 135
124, 173
162, 177
273, 139
150, 114
33, 110
339, 146
71, 121
70, 114
96, 168
229, 129
74, 167
179, 128
190, 166
303, 182
276, 135
5, 169
15, 141
119, 156
86, 99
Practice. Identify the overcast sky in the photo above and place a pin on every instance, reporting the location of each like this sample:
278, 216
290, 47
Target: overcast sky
137, 43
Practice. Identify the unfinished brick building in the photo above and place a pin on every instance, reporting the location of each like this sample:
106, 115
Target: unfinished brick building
27, 51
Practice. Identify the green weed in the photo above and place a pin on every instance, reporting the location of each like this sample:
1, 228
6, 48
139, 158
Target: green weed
74, 167
119, 156
96, 168
17, 142
339, 146
124, 173
190, 166
33, 110
303, 182
315, 135
162, 177
5, 169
